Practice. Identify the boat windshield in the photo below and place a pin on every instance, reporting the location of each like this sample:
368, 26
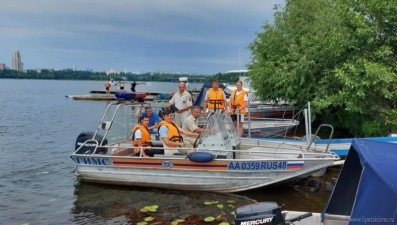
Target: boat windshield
216, 134
121, 118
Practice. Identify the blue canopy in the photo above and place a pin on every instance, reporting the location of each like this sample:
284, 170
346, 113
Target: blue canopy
366, 189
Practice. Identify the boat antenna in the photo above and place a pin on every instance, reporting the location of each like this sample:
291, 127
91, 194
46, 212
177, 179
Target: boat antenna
239, 58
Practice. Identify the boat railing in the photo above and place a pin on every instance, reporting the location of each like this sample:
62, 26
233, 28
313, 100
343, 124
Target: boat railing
329, 139
282, 145
254, 154
85, 142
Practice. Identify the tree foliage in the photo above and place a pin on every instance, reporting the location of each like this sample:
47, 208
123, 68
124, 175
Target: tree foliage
339, 54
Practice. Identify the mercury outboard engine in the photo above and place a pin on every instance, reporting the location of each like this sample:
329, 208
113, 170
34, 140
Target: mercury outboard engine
266, 213
89, 146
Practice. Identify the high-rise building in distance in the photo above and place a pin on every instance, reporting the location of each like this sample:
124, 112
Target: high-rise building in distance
2, 66
17, 61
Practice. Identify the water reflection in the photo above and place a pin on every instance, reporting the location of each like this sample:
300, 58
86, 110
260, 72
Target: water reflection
105, 204
310, 194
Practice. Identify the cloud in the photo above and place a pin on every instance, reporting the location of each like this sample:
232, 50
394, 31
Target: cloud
183, 33
105, 8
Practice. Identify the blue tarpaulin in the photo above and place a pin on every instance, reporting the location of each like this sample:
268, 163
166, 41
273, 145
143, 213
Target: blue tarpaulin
366, 189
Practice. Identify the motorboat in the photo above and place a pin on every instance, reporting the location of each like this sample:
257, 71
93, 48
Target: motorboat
367, 179
217, 162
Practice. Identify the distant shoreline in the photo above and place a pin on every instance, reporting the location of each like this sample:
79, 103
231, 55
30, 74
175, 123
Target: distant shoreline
128, 81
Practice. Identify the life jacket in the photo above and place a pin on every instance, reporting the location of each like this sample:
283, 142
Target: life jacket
215, 99
237, 100
173, 131
145, 140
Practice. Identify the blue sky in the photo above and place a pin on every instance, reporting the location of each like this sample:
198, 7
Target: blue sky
193, 36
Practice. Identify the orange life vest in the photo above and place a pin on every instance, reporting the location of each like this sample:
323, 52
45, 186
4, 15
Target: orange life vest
173, 131
145, 140
237, 101
215, 99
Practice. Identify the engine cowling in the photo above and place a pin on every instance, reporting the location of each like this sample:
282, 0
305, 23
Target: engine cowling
259, 213
90, 145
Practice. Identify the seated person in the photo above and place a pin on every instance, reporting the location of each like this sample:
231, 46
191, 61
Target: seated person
191, 124
154, 119
141, 137
170, 134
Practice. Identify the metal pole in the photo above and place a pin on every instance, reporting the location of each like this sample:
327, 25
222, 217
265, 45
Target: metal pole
309, 120
238, 122
249, 119
306, 129
126, 110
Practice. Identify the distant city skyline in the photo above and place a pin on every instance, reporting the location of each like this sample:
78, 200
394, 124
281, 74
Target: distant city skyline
204, 37
17, 63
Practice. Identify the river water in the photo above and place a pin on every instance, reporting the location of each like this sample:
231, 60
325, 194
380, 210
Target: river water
38, 130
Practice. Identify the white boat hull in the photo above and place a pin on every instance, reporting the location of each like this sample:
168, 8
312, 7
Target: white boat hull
192, 177
219, 163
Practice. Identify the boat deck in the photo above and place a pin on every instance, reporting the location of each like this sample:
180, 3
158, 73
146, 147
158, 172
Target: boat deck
315, 219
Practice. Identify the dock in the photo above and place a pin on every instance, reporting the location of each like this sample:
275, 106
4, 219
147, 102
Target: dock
99, 97
93, 97
155, 93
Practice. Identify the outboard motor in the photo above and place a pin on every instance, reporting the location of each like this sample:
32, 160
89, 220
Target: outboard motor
266, 213
89, 146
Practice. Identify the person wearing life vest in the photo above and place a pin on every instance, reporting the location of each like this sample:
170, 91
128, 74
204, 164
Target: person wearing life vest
141, 137
154, 118
238, 103
215, 99
170, 134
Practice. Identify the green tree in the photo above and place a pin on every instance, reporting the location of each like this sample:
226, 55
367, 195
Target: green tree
341, 55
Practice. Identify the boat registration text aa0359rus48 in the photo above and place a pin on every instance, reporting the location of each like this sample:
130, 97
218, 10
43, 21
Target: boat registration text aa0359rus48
267, 165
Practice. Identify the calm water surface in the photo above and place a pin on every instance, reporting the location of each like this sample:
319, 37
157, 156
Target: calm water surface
38, 128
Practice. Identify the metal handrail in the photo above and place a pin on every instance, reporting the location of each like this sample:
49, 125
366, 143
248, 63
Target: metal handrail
290, 151
85, 143
315, 135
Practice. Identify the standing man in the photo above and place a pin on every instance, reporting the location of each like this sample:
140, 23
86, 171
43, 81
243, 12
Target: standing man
154, 119
182, 101
215, 99
107, 86
133, 85
170, 134
191, 124
238, 103
141, 137
121, 84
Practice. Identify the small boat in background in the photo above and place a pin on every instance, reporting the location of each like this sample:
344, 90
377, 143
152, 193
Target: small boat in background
367, 179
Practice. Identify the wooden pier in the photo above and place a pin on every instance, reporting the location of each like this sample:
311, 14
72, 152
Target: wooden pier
111, 97
147, 92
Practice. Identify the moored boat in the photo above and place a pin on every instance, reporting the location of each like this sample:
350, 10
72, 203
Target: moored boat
217, 163
367, 179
